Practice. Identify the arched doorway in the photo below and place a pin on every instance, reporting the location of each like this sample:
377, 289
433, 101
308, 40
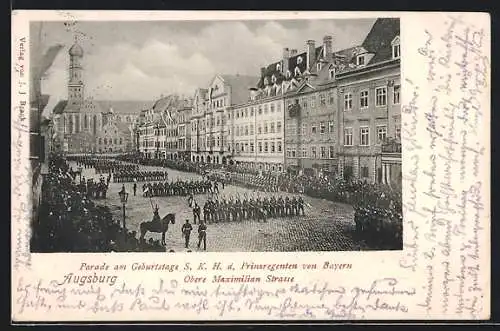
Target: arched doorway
202, 159
208, 159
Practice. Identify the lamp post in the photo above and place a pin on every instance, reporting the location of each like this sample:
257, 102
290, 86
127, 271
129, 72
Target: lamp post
123, 198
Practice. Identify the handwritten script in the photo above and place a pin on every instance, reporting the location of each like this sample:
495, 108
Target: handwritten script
298, 300
446, 182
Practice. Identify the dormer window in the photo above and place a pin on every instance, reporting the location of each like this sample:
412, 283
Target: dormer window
288, 74
266, 81
273, 79
278, 67
361, 60
297, 71
299, 60
396, 49
318, 66
331, 73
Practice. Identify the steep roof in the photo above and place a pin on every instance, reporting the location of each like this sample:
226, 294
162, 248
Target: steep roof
104, 106
60, 106
378, 41
123, 106
240, 84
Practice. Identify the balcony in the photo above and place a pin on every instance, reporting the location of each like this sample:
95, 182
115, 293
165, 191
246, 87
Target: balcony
391, 146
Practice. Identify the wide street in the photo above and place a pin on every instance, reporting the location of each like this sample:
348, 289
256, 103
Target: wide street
327, 226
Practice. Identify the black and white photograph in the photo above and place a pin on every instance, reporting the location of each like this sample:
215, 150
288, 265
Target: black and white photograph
216, 136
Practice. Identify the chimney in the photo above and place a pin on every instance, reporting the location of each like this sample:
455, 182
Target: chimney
327, 48
311, 53
286, 56
293, 52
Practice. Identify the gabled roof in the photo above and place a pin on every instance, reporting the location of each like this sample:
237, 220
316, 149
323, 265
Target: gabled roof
378, 41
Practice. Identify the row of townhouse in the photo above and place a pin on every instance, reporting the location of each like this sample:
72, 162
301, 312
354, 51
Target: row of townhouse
319, 112
163, 130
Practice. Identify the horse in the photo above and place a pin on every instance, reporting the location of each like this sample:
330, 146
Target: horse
158, 227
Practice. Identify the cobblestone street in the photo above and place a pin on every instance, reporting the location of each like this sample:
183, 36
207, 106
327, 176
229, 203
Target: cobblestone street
327, 226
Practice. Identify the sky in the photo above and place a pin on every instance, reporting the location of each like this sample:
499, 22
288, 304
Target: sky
143, 60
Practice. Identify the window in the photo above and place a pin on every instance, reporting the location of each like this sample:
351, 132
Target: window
260, 146
313, 101
294, 152
313, 152
322, 99
361, 60
279, 146
322, 128
278, 127
252, 148
331, 73
246, 130
265, 109
347, 101
396, 51
323, 152
272, 127
363, 99
251, 129
398, 131
318, 66
260, 129
299, 60
272, 108
251, 111
237, 131
332, 152
265, 128
121, 141
266, 147
304, 102
331, 126
381, 133
381, 94
237, 147
396, 94
272, 147
304, 129
278, 107
260, 110
288, 152
331, 98
313, 129
304, 152
364, 136
364, 172
348, 137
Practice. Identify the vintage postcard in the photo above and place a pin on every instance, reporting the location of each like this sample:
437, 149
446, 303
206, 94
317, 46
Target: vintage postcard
187, 166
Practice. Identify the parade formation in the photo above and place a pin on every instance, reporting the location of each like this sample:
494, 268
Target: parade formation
252, 197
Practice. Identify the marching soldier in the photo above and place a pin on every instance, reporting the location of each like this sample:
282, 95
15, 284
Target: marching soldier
196, 212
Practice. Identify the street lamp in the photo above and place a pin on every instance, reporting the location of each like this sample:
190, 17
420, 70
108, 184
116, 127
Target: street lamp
123, 198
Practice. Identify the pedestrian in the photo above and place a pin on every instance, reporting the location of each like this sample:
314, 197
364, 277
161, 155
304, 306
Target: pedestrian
135, 188
202, 235
186, 232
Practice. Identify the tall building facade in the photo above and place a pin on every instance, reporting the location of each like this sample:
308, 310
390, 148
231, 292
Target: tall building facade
85, 125
369, 99
211, 117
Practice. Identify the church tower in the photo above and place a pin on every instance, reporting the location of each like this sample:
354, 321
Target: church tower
75, 84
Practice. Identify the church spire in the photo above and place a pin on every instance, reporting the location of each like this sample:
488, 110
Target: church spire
75, 83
